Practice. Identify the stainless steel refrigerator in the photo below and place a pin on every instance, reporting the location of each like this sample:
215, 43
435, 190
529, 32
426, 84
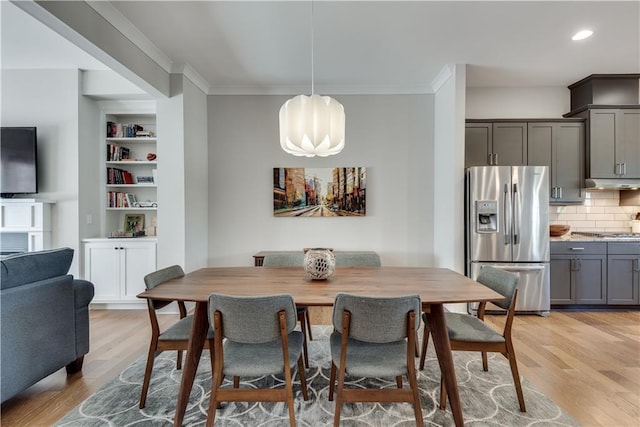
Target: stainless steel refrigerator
507, 227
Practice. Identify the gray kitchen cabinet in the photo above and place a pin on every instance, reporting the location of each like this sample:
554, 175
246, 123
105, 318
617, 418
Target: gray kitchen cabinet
493, 143
623, 273
560, 146
578, 273
614, 143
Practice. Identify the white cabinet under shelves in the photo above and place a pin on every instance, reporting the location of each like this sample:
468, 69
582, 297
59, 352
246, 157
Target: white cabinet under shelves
117, 267
25, 225
130, 166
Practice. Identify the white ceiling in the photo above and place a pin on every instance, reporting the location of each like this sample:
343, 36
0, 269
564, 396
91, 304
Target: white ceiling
360, 47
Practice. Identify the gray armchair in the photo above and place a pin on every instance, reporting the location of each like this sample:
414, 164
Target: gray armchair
259, 339
471, 333
44, 318
375, 337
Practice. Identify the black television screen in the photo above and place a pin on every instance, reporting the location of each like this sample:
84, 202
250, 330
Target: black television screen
18, 161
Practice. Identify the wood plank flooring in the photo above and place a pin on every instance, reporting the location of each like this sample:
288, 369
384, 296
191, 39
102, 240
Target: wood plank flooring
587, 362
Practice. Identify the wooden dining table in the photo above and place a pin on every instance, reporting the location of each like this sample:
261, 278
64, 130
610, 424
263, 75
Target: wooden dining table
435, 286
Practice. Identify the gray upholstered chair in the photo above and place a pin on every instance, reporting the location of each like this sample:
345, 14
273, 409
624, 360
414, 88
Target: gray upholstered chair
176, 337
293, 259
364, 258
471, 333
259, 339
375, 337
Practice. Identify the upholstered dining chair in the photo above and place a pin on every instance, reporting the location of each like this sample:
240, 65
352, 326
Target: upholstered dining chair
471, 333
176, 337
374, 337
294, 259
259, 339
364, 258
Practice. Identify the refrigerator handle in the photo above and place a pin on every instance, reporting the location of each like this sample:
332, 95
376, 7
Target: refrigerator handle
506, 214
516, 215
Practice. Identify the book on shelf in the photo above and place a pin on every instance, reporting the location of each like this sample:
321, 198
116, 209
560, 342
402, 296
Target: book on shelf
116, 153
124, 130
119, 176
117, 199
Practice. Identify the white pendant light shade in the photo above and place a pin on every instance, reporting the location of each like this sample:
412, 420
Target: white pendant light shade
312, 126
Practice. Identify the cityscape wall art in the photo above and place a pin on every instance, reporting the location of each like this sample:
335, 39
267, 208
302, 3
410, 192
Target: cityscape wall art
319, 192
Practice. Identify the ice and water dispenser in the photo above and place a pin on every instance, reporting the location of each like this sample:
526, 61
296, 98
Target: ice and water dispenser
486, 216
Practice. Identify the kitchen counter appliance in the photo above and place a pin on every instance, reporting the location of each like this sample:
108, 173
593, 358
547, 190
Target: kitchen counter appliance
507, 227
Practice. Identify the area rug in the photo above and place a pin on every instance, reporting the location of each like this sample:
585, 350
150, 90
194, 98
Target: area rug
488, 398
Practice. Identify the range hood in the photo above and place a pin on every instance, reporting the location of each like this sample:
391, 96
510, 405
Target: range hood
612, 184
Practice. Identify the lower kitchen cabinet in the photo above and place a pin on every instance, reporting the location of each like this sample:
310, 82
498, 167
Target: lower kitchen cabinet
578, 273
624, 273
117, 268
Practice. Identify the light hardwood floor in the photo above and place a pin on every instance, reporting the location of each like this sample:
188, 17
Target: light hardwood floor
587, 362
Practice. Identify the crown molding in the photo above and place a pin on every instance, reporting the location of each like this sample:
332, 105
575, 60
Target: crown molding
293, 90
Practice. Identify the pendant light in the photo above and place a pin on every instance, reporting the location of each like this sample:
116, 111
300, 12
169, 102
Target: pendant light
312, 125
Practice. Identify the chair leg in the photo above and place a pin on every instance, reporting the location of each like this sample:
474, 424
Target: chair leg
443, 394
332, 381
485, 362
416, 348
236, 381
147, 375
213, 402
423, 352
303, 379
303, 326
399, 381
516, 376
308, 319
413, 384
179, 360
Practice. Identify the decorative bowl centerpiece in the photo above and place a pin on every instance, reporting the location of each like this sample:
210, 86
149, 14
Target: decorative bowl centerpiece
319, 263
557, 230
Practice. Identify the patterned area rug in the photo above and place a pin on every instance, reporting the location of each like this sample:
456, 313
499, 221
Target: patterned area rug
488, 398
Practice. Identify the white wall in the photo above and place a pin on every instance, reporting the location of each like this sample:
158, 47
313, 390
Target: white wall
392, 136
196, 176
48, 99
512, 103
448, 171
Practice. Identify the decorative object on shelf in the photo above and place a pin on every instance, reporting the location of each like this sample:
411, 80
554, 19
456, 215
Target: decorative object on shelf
557, 230
312, 125
145, 179
151, 156
319, 263
319, 192
134, 223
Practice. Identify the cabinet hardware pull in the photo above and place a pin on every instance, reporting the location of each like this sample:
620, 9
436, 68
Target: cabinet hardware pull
560, 192
577, 249
637, 264
495, 159
490, 159
553, 192
624, 168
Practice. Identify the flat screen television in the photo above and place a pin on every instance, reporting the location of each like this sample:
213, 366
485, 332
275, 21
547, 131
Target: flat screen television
18, 161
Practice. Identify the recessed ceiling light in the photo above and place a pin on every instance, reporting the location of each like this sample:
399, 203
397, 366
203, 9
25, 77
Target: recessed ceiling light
581, 35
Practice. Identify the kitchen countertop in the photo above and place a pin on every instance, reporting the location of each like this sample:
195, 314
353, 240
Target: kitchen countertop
577, 238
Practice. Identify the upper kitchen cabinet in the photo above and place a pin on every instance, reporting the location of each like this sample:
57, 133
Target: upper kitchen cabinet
493, 143
560, 146
610, 105
614, 138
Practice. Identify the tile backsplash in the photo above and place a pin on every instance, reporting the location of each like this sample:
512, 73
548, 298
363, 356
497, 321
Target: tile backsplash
600, 212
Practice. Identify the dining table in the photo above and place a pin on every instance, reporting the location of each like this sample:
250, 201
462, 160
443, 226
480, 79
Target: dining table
435, 286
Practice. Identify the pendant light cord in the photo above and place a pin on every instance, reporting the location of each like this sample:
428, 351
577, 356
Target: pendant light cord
312, 49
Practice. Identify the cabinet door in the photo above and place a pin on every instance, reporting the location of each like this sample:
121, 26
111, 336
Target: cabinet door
567, 161
628, 142
510, 144
561, 281
591, 279
477, 144
602, 143
102, 268
137, 260
623, 279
